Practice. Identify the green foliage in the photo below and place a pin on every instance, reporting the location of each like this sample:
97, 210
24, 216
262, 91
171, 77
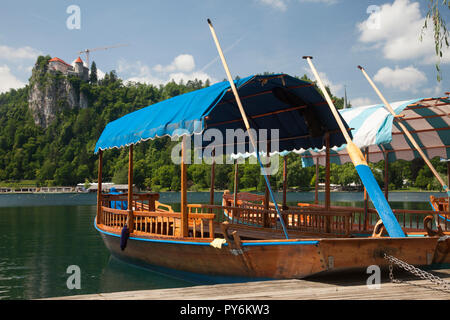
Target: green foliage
121, 176
93, 75
436, 10
62, 154
339, 103
40, 71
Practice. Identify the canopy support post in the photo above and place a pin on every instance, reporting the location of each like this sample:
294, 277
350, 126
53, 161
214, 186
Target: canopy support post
327, 181
213, 177
285, 207
386, 175
366, 198
266, 218
184, 210
236, 178
316, 196
130, 220
99, 187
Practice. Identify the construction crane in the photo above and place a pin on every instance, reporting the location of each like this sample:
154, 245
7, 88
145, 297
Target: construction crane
87, 51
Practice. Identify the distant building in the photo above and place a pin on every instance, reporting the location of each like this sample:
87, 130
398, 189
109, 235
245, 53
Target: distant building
59, 65
333, 187
106, 187
56, 189
78, 69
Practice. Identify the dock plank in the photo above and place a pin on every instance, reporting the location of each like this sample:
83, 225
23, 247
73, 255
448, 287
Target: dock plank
330, 289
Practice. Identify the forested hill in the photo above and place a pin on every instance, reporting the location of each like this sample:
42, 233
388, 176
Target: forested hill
61, 151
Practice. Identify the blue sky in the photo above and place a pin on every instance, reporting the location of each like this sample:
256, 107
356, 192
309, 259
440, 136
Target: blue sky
171, 40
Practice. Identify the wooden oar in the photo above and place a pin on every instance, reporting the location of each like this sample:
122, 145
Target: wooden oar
406, 131
247, 125
373, 189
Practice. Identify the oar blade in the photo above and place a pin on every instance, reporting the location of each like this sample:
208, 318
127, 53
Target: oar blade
379, 201
373, 189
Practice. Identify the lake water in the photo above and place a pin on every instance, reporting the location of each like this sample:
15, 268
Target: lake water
42, 235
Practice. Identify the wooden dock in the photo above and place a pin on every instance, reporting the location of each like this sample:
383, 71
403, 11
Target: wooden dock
324, 288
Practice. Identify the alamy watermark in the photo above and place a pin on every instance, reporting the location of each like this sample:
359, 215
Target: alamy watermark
74, 280
73, 22
215, 146
374, 21
374, 280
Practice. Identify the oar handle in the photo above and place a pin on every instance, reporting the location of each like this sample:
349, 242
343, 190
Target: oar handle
386, 103
247, 125
364, 172
329, 101
230, 80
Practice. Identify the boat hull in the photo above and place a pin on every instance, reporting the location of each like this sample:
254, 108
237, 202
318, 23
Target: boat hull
277, 259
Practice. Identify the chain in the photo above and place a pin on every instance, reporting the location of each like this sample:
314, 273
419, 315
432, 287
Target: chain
415, 271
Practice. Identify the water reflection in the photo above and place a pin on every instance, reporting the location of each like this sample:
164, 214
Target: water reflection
117, 273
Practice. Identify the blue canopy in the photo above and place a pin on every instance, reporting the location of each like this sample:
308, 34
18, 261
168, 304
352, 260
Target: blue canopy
280, 101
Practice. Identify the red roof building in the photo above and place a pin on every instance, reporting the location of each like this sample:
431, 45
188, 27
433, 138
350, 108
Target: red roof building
55, 59
78, 69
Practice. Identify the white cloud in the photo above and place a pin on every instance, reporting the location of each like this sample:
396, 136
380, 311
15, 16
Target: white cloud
8, 80
396, 28
183, 62
14, 54
361, 102
177, 77
436, 91
181, 68
25, 68
17, 60
336, 88
281, 5
321, 1
404, 79
100, 74
276, 4
138, 72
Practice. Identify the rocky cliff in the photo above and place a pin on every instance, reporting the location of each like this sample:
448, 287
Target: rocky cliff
51, 92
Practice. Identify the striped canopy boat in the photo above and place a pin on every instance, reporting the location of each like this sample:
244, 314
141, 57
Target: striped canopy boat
373, 127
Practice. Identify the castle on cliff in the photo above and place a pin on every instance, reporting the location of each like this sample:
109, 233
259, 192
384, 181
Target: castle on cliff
78, 69
47, 101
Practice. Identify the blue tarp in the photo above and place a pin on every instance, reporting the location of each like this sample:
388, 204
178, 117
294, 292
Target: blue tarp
215, 107
121, 205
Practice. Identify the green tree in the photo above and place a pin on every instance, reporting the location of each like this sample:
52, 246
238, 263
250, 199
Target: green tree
440, 31
64, 175
93, 75
424, 178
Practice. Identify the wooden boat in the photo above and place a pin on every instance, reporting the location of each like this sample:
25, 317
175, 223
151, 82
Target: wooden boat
256, 250
245, 239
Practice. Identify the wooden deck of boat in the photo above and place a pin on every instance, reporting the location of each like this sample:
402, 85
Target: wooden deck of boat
269, 233
324, 288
